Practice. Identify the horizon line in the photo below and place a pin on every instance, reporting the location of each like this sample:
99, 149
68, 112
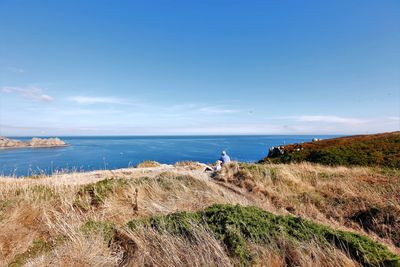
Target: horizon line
205, 135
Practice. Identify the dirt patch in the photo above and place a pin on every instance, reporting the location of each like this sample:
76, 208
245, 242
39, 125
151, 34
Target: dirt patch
384, 221
122, 242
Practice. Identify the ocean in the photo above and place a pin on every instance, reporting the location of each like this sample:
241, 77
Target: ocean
113, 152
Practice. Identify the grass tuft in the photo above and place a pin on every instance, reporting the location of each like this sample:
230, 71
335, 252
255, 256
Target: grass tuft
104, 228
36, 248
100, 190
148, 164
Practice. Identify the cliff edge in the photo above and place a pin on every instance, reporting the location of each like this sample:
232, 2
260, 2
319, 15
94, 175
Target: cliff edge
362, 150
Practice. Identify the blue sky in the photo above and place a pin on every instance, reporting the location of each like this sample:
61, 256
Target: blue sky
199, 67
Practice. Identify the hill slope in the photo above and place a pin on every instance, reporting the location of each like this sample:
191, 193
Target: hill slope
365, 150
298, 214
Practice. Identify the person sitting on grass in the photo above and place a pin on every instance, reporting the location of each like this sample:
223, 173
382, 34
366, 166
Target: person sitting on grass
215, 168
224, 158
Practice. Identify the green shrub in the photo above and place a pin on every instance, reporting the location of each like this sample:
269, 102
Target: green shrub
100, 190
106, 229
235, 226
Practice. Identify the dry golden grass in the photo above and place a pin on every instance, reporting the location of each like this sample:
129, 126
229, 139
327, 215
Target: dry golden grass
329, 195
164, 249
148, 164
190, 165
41, 220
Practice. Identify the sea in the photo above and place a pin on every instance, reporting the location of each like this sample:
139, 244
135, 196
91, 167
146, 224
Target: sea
85, 153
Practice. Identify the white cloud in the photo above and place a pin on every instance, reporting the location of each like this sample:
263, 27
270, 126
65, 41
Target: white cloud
96, 100
88, 112
193, 107
329, 119
216, 110
393, 118
34, 93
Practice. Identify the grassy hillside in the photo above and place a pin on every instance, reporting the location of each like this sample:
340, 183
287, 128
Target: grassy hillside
249, 214
237, 227
364, 150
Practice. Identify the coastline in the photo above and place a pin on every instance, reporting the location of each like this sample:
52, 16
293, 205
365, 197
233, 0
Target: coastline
18, 147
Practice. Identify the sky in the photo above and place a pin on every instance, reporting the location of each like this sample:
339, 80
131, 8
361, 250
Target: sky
178, 67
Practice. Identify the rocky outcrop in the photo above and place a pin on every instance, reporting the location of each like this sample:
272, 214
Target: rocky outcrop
276, 151
34, 142
49, 142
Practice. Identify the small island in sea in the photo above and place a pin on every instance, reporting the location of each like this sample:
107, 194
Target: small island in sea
34, 143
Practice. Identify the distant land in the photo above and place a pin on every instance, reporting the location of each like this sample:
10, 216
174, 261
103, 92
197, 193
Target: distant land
34, 142
363, 150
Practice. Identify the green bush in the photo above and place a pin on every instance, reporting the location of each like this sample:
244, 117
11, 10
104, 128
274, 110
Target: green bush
235, 226
106, 229
100, 190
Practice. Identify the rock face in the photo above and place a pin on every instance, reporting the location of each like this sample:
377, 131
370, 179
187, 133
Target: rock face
35, 142
276, 151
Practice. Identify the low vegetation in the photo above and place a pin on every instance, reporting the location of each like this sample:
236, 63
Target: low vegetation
363, 150
96, 193
236, 226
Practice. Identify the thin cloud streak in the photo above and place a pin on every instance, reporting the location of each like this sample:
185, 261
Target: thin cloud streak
207, 109
187, 108
15, 70
216, 110
88, 100
322, 119
33, 93
393, 118
329, 119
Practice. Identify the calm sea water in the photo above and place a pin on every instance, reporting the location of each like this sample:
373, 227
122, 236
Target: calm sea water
93, 153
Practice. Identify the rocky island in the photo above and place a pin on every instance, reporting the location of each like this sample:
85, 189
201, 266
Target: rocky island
34, 142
